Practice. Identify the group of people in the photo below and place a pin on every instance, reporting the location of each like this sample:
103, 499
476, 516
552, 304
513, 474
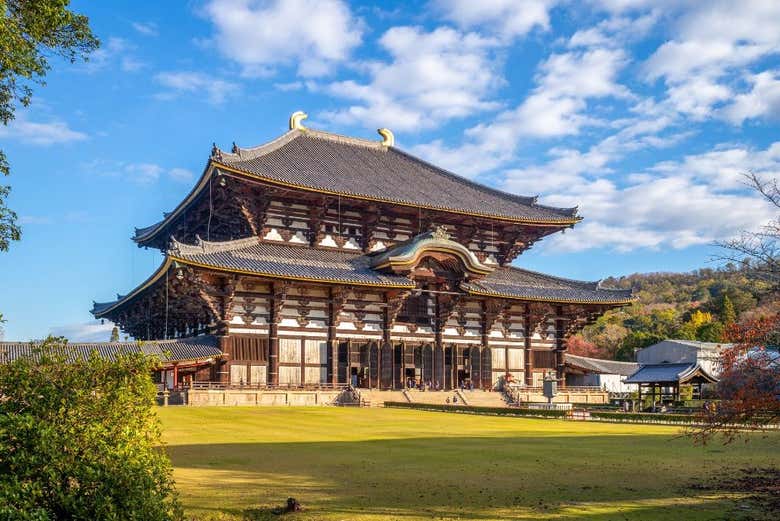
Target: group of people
420, 385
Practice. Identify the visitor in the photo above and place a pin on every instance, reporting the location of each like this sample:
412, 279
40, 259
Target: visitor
448, 400
454, 398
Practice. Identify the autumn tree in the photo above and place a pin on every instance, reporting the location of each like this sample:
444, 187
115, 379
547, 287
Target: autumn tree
30, 33
749, 384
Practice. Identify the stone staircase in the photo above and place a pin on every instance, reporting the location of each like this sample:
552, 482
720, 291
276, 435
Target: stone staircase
375, 398
432, 397
479, 398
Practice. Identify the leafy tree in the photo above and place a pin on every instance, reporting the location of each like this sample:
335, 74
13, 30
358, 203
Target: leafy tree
30, 31
711, 332
79, 439
727, 313
114, 334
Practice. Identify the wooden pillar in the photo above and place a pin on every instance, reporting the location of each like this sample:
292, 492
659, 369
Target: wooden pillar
437, 337
454, 367
303, 361
175, 376
485, 343
403, 365
348, 369
333, 356
528, 362
560, 348
273, 336
378, 382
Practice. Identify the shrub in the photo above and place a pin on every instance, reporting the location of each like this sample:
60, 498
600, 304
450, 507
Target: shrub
79, 439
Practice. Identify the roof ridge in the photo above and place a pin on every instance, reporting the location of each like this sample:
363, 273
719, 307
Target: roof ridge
586, 283
201, 246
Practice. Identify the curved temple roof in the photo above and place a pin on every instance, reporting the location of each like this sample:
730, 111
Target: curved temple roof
670, 373
183, 349
328, 163
511, 282
252, 256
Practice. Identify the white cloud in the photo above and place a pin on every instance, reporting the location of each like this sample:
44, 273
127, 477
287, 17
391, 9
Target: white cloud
313, 35
214, 90
508, 18
432, 77
712, 44
557, 106
113, 51
672, 205
180, 174
146, 28
143, 172
40, 133
92, 331
763, 99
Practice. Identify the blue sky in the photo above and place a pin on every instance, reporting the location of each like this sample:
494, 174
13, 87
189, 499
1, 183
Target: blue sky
642, 113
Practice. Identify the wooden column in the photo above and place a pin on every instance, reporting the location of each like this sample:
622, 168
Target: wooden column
386, 345
333, 370
527, 361
439, 326
273, 334
403, 365
378, 364
175, 376
560, 347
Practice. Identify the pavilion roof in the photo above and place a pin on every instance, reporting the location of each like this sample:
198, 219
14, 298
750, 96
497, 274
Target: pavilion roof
596, 365
327, 163
511, 282
252, 256
670, 373
178, 350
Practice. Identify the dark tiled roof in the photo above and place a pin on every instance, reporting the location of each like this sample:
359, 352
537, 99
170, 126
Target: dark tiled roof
595, 365
327, 162
167, 350
662, 373
524, 284
284, 261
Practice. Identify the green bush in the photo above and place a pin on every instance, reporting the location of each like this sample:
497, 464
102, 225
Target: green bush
79, 439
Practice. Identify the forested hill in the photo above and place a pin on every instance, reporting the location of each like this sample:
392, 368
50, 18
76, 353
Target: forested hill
698, 305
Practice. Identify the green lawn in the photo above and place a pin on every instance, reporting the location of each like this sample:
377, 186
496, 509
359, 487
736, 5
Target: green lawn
379, 464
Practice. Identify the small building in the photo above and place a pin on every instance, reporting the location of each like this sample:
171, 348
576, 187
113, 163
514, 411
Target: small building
672, 351
182, 360
609, 375
663, 381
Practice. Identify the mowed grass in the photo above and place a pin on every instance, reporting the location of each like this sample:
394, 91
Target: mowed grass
379, 464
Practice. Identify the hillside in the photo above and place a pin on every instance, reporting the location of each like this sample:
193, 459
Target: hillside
698, 305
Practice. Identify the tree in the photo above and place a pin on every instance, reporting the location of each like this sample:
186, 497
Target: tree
577, 345
759, 250
79, 439
114, 334
749, 385
727, 314
29, 32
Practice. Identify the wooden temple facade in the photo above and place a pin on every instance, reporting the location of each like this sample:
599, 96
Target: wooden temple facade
323, 260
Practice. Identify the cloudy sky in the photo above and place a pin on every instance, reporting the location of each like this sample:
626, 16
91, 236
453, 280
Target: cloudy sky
643, 113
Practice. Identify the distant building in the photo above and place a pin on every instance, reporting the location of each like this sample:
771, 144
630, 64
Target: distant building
609, 375
665, 366
670, 351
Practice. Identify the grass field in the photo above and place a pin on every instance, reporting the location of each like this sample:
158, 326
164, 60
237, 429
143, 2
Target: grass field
379, 464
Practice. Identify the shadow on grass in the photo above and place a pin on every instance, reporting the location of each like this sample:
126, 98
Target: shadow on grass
597, 478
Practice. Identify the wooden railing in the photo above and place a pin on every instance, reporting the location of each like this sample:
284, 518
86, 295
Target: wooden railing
202, 386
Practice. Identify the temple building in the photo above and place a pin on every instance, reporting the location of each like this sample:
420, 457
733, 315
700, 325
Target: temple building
323, 260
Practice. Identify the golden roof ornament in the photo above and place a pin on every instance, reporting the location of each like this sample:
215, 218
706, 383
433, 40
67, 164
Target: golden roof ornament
296, 118
388, 139
441, 233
